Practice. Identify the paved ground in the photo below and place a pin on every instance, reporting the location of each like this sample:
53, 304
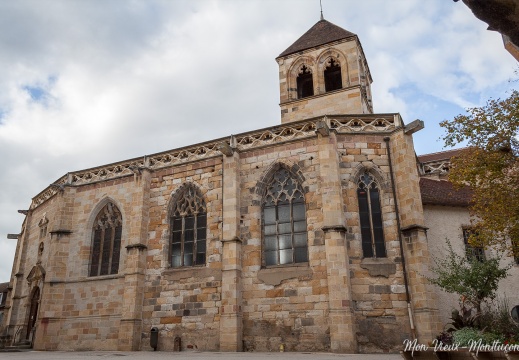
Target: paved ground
158, 355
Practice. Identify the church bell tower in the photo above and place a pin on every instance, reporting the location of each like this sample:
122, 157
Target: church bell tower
324, 72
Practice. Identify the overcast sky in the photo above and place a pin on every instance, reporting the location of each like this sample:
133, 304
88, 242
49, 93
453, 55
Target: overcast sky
86, 83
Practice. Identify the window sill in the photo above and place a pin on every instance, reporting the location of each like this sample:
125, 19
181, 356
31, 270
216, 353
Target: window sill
276, 274
87, 279
344, 88
379, 266
201, 271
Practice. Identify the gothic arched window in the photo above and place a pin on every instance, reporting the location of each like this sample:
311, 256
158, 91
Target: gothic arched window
106, 241
284, 221
370, 214
188, 228
305, 83
332, 75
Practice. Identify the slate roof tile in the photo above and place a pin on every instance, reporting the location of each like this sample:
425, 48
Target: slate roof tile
322, 32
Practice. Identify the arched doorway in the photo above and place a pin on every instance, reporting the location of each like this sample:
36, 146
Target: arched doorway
33, 312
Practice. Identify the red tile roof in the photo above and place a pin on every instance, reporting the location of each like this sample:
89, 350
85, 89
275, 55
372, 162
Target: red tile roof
441, 192
322, 32
437, 156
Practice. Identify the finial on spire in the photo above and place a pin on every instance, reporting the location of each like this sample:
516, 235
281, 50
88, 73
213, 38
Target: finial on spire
321, 4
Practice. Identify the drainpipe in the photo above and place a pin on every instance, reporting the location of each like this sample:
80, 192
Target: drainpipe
399, 230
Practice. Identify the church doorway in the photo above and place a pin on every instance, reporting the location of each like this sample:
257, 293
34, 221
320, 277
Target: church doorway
33, 312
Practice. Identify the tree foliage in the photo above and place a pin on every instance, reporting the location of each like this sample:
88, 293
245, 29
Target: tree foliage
475, 281
489, 165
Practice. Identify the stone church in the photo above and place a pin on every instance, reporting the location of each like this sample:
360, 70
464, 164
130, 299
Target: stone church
309, 235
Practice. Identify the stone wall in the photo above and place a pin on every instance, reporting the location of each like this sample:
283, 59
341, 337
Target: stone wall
347, 100
353, 98
183, 302
447, 222
378, 289
338, 301
77, 311
289, 304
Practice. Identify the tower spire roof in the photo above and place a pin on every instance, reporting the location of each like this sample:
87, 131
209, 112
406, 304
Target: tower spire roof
321, 33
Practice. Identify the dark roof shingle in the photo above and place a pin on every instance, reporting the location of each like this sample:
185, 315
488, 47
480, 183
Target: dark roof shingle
322, 32
441, 192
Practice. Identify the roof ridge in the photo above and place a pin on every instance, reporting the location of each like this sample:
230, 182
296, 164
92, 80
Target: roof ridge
322, 32
444, 151
440, 156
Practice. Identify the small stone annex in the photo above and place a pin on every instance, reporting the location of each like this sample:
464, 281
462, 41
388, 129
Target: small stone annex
310, 234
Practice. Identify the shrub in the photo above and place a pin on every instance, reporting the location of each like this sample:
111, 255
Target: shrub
490, 337
464, 336
476, 281
498, 320
463, 319
445, 338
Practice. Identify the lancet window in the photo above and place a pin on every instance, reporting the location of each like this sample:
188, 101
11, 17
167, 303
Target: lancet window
332, 75
370, 213
106, 241
284, 221
188, 228
305, 83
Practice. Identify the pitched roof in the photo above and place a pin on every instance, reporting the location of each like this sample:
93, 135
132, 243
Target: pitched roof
441, 192
322, 32
437, 156
3, 287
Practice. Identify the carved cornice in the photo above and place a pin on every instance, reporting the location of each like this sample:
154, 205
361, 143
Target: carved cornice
278, 134
343, 124
49, 192
440, 167
375, 123
106, 172
184, 155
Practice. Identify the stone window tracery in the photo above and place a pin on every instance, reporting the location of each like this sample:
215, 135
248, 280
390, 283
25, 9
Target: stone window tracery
284, 221
305, 83
332, 75
188, 229
370, 213
106, 241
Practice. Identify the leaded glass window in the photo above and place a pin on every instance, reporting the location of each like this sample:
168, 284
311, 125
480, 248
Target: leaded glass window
332, 75
284, 221
106, 241
305, 82
370, 214
188, 228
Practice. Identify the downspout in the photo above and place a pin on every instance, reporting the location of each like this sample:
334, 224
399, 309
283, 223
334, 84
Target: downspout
402, 255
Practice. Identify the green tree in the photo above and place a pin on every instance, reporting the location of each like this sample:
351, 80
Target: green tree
474, 280
489, 166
